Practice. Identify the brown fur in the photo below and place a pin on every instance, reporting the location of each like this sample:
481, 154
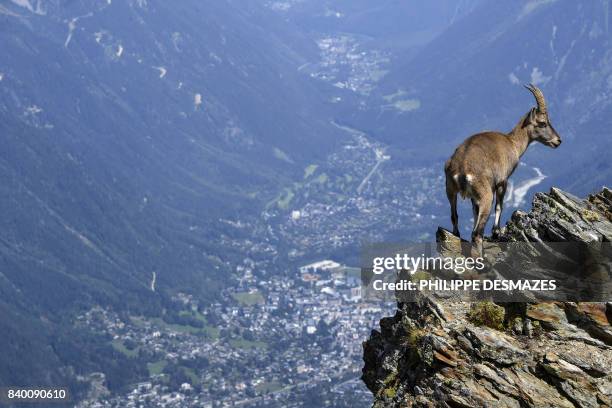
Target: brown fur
480, 167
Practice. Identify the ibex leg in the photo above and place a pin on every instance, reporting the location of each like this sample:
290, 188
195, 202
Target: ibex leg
500, 192
451, 193
474, 214
484, 209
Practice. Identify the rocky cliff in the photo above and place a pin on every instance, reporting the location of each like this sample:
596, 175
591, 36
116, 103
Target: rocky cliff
440, 353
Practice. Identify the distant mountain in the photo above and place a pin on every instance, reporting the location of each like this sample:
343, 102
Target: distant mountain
421, 77
389, 24
470, 77
129, 128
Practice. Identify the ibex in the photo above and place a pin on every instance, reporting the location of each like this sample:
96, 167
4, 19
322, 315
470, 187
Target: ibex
482, 164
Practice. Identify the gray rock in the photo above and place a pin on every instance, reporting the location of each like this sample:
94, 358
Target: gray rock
527, 328
550, 355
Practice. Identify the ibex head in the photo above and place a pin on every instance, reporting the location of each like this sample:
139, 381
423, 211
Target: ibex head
537, 123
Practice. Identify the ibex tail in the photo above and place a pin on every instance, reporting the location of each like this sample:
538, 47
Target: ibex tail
463, 182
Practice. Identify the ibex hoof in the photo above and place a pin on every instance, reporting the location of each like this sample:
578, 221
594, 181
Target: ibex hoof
495, 233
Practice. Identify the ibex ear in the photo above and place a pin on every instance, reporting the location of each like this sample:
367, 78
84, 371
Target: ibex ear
530, 118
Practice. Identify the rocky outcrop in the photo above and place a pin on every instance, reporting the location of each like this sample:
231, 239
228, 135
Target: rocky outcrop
435, 352
559, 216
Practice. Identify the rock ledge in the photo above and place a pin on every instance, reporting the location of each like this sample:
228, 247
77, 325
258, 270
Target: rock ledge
430, 354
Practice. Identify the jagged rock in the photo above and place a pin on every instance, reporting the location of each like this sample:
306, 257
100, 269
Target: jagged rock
494, 345
551, 354
550, 315
593, 317
560, 216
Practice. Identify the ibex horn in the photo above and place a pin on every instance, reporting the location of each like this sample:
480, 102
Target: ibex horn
539, 96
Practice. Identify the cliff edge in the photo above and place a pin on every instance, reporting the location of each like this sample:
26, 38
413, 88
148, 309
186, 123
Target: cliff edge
440, 353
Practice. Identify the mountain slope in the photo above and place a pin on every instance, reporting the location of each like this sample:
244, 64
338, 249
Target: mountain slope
469, 78
128, 130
